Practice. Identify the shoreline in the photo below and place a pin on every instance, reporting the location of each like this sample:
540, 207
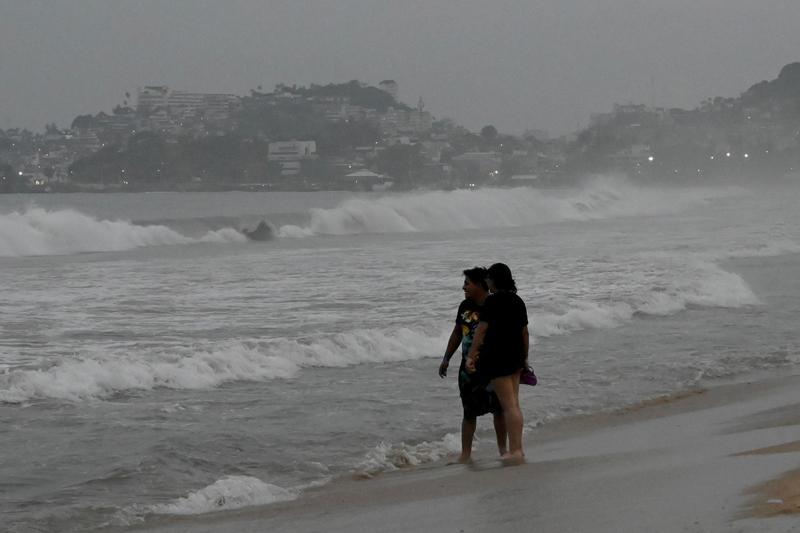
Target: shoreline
723, 458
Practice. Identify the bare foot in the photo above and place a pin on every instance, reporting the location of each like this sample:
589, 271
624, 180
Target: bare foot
513, 459
464, 459
503, 452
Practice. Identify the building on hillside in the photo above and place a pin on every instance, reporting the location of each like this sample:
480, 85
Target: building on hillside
289, 154
151, 98
158, 120
183, 104
291, 150
398, 121
366, 180
632, 156
86, 141
218, 106
477, 163
419, 120
209, 106
630, 109
180, 106
115, 128
433, 149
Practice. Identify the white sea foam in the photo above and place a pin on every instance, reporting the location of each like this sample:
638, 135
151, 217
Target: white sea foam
696, 283
290, 231
232, 492
222, 235
602, 197
100, 374
585, 315
38, 231
387, 456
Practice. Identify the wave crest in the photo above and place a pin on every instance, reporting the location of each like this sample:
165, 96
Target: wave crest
38, 231
99, 374
699, 284
602, 197
231, 492
387, 457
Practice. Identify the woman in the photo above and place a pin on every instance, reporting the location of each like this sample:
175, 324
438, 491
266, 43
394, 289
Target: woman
499, 351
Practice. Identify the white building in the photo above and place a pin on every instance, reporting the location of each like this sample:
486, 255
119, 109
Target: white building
291, 150
290, 154
180, 105
151, 98
183, 104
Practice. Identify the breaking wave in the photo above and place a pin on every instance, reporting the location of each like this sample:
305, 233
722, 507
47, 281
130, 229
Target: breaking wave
386, 457
231, 492
602, 197
38, 231
698, 284
100, 374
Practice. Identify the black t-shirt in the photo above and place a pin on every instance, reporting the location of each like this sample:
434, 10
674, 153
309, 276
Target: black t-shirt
506, 315
467, 317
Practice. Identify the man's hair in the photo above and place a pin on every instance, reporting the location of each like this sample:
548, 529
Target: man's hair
477, 275
500, 275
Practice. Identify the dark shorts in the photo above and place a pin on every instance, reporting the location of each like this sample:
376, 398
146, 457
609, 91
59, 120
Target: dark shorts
475, 399
492, 366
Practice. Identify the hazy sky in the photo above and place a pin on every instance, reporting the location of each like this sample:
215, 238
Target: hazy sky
517, 64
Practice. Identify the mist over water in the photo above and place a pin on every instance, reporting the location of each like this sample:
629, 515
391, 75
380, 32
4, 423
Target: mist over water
181, 354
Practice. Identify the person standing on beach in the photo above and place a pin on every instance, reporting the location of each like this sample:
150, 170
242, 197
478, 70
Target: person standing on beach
475, 399
499, 351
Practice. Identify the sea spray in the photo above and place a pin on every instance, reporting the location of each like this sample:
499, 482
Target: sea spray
601, 197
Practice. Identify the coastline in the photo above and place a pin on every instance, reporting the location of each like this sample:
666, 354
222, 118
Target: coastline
719, 459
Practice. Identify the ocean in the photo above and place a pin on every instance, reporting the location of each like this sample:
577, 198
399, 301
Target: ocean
154, 362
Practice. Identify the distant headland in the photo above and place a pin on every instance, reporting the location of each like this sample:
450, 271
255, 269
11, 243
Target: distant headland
355, 136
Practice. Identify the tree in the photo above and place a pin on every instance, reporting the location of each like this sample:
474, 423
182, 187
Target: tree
489, 133
10, 181
443, 125
83, 122
401, 161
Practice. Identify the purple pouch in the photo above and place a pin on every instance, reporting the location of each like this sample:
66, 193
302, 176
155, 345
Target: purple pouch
527, 377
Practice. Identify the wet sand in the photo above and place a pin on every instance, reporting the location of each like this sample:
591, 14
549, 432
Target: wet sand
724, 459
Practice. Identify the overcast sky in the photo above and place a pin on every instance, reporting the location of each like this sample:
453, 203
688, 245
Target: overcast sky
517, 64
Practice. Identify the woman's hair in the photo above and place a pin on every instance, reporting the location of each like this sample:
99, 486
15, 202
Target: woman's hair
477, 276
500, 274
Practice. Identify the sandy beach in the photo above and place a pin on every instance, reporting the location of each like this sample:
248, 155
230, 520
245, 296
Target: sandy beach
723, 459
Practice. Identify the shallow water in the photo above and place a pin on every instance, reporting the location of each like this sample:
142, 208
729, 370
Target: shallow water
152, 361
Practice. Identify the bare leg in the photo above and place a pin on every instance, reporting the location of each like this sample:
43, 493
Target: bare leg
468, 426
501, 433
507, 390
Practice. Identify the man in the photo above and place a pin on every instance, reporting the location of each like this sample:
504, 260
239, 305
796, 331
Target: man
474, 397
